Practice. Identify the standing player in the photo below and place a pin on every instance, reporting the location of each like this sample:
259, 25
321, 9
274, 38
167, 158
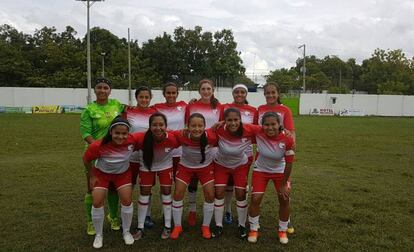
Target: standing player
94, 125
138, 118
273, 104
274, 163
196, 161
175, 113
210, 108
112, 155
157, 153
231, 161
248, 115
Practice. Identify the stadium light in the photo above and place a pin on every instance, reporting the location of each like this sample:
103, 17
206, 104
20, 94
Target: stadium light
89, 3
304, 66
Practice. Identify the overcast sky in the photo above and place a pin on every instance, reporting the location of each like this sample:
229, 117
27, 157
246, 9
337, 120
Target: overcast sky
268, 32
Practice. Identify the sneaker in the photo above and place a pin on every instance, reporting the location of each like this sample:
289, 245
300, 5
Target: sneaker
228, 218
98, 242
166, 232
218, 231
148, 222
290, 229
192, 218
138, 234
128, 239
205, 231
90, 229
242, 232
176, 232
114, 223
283, 237
253, 236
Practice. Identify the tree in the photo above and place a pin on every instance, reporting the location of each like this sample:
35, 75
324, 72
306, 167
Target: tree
286, 79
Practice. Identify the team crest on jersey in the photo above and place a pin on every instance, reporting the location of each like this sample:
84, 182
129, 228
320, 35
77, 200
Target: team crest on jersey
282, 145
215, 111
130, 147
247, 113
244, 140
107, 114
179, 108
167, 150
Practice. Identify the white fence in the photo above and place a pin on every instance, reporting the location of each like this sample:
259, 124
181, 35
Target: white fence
28, 97
358, 104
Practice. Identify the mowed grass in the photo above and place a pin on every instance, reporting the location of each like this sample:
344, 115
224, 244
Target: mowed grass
352, 190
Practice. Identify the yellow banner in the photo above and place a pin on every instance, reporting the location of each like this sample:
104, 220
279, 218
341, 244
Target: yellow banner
46, 109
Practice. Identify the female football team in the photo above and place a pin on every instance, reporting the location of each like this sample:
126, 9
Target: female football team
183, 144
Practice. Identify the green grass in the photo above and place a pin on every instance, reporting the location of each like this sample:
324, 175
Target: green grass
292, 103
352, 189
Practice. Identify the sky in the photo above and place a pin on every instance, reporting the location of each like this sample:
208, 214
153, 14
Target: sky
268, 32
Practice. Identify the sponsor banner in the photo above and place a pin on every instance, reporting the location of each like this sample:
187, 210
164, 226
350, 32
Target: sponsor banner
322, 112
72, 109
351, 112
15, 110
54, 109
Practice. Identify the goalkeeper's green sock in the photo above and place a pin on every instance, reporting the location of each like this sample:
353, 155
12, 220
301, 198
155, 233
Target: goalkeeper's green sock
88, 206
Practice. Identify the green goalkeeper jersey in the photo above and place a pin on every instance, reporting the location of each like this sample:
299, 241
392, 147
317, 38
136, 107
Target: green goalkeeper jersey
95, 119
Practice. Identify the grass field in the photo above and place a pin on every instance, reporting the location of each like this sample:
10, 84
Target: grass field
353, 190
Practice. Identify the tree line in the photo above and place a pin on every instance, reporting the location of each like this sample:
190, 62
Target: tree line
49, 58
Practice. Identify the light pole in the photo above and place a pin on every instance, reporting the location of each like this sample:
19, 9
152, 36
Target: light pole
103, 63
89, 3
304, 66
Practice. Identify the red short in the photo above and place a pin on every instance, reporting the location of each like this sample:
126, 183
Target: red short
147, 178
176, 160
205, 175
230, 182
134, 172
105, 179
239, 175
260, 180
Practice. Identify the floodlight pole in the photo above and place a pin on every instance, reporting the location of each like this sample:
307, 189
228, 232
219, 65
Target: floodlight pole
304, 66
129, 71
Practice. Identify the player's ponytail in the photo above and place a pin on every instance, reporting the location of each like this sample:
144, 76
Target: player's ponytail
148, 144
116, 121
239, 131
203, 145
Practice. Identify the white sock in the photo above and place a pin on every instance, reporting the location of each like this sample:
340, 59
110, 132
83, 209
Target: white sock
143, 202
208, 210
149, 206
177, 212
126, 216
242, 212
192, 201
98, 219
228, 196
166, 208
283, 225
254, 223
218, 211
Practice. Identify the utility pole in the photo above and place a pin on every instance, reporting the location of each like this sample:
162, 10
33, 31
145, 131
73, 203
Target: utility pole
304, 67
129, 71
89, 3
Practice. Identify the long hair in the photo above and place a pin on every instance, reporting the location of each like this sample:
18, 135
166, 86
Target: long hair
203, 138
272, 114
148, 145
239, 131
169, 84
142, 88
213, 100
116, 121
277, 89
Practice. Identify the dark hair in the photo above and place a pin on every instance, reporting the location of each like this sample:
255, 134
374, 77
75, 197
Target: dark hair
103, 80
169, 84
117, 121
272, 114
148, 145
203, 138
277, 89
239, 131
245, 100
142, 88
213, 100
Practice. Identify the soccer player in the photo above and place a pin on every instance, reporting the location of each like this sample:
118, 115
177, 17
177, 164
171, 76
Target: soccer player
175, 113
274, 162
157, 153
273, 103
248, 115
210, 108
231, 161
138, 118
196, 161
94, 125
112, 155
